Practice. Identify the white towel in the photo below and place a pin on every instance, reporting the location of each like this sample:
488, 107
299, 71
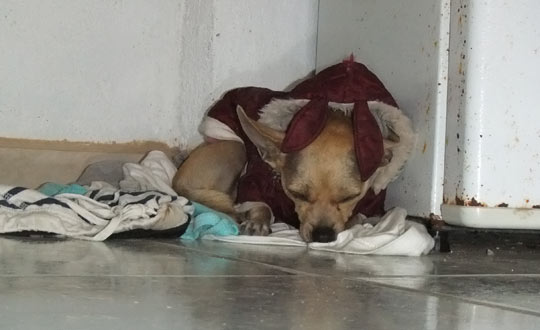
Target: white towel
392, 235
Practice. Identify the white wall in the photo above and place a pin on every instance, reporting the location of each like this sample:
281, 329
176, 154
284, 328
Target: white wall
102, 71
405, 44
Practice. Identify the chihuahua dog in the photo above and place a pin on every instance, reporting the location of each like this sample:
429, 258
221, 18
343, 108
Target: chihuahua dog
322, 180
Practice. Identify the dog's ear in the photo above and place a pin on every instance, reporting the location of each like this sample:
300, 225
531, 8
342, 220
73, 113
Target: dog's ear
267, 140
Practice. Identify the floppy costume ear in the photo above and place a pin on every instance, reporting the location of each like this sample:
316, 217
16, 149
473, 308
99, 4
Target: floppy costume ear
347, 82
305, 126
368, 140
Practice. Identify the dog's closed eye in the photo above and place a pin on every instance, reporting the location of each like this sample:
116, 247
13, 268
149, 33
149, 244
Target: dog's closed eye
348, 198
300, 195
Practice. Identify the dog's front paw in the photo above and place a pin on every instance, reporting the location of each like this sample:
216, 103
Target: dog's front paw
254, 218
255, 228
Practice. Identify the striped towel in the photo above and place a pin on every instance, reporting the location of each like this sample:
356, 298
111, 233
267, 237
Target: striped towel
102, 212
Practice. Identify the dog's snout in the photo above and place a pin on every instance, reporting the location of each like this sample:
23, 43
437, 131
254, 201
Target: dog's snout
323, 234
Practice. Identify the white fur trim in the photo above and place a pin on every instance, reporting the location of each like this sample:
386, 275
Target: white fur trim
279, 112
393, 117
213, 128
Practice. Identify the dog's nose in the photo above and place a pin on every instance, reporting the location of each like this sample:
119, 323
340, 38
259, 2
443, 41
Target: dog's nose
323, 234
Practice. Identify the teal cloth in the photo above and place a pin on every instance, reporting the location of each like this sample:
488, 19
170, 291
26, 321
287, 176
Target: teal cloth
206, 221
53, 189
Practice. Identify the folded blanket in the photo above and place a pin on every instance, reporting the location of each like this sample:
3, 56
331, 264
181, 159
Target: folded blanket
94, 216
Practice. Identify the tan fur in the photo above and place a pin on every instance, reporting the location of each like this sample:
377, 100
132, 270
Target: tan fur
327, 174
323, 179
209, 174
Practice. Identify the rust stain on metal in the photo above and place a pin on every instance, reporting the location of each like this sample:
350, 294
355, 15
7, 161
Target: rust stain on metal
424, 149
474, 202
469, 202
435, 221
502, 205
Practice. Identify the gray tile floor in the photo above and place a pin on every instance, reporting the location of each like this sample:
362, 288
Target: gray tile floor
169, 284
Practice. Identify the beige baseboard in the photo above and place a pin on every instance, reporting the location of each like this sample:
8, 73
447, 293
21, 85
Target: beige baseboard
137, 147
29, 163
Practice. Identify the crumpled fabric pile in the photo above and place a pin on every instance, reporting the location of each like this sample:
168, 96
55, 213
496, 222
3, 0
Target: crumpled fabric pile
392, 234
145, 200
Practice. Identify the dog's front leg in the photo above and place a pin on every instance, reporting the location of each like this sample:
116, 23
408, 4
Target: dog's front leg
254, 218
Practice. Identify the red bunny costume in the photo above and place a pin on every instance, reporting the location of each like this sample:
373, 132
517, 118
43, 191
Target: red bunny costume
302, 114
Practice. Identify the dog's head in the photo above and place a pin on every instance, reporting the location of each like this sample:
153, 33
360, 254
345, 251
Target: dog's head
323, 179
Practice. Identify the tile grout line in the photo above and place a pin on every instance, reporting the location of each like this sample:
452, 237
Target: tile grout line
385, 285
298, 272
447, 295
139, 276
431, 276
280, 268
